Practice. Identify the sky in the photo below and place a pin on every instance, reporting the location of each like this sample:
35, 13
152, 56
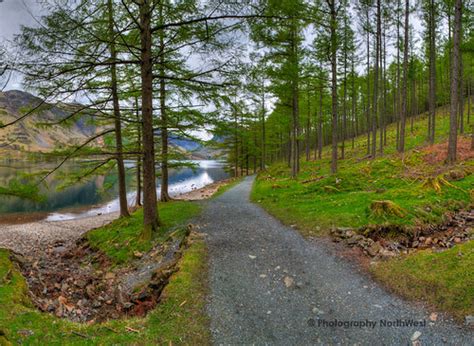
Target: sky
14, 14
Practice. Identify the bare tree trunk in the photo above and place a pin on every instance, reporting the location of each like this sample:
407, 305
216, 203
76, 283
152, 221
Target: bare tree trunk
264, 154
308, 129
117, 116
432, 72
165, 197
376, 82
138, 201
401, 147
150, 210
295, 106
334, 85
320, 124
455, 69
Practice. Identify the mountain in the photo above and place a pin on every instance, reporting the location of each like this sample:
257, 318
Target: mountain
28, 135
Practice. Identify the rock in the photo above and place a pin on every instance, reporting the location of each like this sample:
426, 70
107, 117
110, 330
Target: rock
263, 276
317, 311
128, 305
137, 254
469, 320
457, 240
90, 291
416, 335
252, 257
433, 317
81, 283
428, 241
109, 276
387, 253
96, 304
374, 249
299, 284
288, 281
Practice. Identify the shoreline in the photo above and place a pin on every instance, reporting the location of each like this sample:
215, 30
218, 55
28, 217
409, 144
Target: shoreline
23, 218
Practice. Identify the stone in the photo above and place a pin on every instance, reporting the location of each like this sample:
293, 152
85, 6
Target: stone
109, 276
137, 254
128, 305
469, 320
288, 281
428, 241
374, 249
252, 257
416, 335
457, 240
433, 317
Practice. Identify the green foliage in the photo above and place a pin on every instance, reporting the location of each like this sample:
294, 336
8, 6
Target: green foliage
22, 189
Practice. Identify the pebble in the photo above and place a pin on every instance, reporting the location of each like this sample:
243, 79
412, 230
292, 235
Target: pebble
416, 335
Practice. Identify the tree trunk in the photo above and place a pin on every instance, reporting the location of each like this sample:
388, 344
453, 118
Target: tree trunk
455, 68
403, 115
376, 82
117, 117
138, 201
165, 197
334, 85
150, 210
432, 74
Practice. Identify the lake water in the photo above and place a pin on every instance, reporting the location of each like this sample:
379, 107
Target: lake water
98, 195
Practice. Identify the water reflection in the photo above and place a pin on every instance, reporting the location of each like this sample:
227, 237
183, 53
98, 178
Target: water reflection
91, 195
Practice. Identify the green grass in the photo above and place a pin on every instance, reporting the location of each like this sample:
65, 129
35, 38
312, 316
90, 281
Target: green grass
343, 199
170, 322
121, 238
445, 279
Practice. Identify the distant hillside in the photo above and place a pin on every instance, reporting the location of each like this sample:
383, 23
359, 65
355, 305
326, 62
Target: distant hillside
27, 135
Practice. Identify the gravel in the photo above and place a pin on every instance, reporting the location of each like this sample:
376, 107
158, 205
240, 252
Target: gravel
270, 286
35, 237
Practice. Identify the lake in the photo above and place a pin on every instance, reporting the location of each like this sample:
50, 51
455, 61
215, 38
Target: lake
99, 194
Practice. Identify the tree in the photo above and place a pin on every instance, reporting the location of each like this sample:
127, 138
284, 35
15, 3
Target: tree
404, 113
455, 69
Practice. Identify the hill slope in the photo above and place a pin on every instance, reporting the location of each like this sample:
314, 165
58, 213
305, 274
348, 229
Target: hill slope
27, 135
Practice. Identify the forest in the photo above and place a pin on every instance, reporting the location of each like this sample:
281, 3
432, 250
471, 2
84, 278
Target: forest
347, 120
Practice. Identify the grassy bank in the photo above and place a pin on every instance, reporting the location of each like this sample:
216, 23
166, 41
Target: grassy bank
179, 318
444, 280
121, 238
317, 201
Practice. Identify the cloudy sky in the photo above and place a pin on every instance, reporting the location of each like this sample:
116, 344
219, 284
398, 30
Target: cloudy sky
13, 14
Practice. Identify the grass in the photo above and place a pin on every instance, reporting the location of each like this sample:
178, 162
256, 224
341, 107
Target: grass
121, 238
317, 201
178, 319
445, 279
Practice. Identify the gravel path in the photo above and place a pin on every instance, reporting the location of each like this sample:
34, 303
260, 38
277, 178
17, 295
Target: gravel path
270, 286
34, 237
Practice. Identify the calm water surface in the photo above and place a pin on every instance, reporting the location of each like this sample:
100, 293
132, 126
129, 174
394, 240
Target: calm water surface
98, 195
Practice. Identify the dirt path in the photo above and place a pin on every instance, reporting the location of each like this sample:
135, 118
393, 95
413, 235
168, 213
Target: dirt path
270, 286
